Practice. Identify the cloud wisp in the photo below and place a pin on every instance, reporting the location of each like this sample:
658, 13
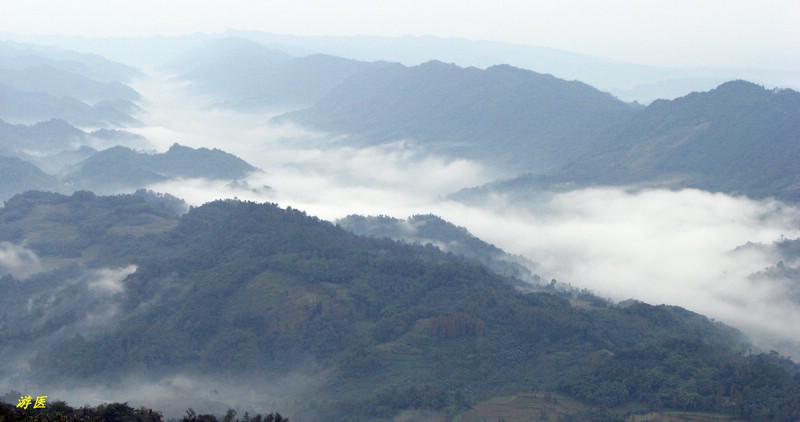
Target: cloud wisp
18, 261
675, 247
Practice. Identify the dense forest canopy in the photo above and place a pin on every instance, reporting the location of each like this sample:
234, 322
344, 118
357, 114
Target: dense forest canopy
237, 288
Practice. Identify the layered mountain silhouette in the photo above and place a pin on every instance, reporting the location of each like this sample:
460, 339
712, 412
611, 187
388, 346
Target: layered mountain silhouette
102, 290
54, 156
739, 138
38, 83
506, 116
48, 136
240, 73
120, 168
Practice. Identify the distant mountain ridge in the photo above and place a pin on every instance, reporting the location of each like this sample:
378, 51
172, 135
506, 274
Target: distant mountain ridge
123, 168
503, 115
628, 81
30, 107
241, 73
20, 56
17, 176
39, 83
45, 136
739, 138
54, 155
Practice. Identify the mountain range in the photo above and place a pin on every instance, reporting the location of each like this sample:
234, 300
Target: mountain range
38, 83
368, 318
243, 74
71, 164
628, 81
121, 168
238, 291
537, 129
505, 116
737, 138
18, 176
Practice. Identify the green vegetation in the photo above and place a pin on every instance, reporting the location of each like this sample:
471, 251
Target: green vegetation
241, 289
85, 225
59, 411
431, 229
738, 138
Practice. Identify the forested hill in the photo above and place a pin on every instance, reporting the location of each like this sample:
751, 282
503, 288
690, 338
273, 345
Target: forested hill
54, 155
739, 138
504, 115
255, 294
119, 168
431, 229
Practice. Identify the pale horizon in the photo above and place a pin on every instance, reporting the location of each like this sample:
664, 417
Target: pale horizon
737, 33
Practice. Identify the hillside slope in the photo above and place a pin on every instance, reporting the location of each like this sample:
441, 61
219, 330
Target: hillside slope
739, 138
242, 291
120, 168
433, 230
18, 176
503, 115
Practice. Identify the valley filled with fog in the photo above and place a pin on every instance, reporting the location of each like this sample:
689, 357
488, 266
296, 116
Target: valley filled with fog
704, 251
212, 228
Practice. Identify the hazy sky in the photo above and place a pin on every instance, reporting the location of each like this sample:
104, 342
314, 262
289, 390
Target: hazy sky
677, 32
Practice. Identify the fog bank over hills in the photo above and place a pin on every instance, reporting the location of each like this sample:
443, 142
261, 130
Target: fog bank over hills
658, 245
332, 177
519, 178
234, 292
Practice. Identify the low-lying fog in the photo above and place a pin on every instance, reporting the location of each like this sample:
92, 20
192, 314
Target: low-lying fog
676, 247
